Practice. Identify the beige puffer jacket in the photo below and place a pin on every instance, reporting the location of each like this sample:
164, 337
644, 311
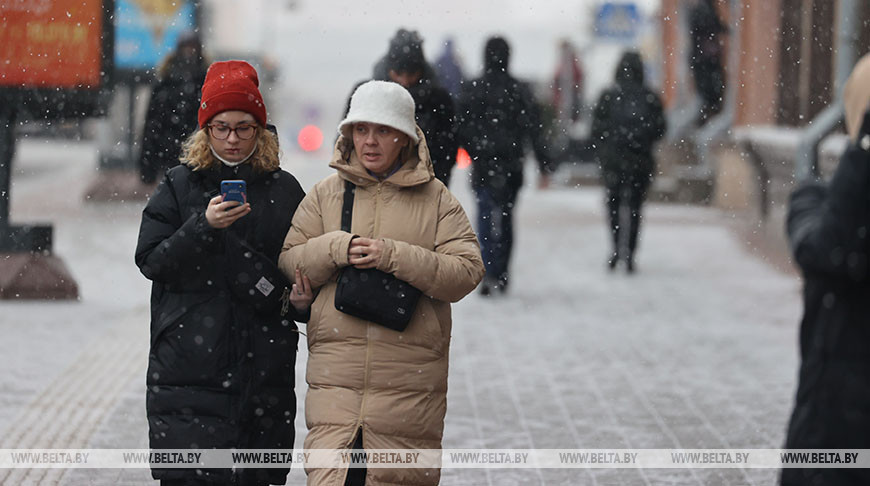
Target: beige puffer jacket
392, 385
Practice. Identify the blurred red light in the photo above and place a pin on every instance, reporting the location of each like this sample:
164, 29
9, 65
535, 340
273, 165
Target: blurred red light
310, 138
463, 160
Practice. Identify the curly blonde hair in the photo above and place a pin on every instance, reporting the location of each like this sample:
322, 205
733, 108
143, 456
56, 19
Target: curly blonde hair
195, 152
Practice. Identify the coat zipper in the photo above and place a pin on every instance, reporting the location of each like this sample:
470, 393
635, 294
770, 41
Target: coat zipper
377, 211
367, 367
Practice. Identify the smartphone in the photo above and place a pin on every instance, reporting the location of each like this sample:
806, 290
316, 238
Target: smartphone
234, 190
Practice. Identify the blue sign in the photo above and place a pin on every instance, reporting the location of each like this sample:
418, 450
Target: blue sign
147, 30
619, 21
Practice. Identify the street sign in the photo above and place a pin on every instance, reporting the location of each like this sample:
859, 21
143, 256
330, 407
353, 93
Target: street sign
617, 21
147, 30
55, 56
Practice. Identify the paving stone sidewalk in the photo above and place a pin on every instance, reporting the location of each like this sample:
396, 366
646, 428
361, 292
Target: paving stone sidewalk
697, 350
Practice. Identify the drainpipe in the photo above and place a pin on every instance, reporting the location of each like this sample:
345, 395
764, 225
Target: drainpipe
806, 159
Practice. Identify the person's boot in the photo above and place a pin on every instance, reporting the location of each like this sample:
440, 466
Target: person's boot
612, 261
485, 290
629, 265
488, 286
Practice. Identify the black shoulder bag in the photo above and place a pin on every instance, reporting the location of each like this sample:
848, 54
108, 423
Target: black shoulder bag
369, 293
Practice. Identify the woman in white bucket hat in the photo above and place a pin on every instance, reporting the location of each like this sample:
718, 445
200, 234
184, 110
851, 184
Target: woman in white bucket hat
371, 387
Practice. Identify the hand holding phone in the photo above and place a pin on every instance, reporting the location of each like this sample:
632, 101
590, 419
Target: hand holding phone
230, 205
234, 190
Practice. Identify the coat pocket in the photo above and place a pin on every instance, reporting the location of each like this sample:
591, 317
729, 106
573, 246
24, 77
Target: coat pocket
190, 340
426, 329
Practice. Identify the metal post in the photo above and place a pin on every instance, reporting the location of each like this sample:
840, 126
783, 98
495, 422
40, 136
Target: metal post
7, 152
15, 238
131, 121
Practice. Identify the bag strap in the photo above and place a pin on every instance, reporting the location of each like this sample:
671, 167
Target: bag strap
347, 207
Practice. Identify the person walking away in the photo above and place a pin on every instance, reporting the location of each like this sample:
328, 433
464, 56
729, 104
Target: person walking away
222, 353
627, 121
405, 64
369, 386
827, 230
706, 56
498, 116
172, 108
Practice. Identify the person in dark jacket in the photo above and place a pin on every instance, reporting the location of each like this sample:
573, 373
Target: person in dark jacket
706, 55
172, 108
827, 230
405, 64
497, 117
627, 121
221, 364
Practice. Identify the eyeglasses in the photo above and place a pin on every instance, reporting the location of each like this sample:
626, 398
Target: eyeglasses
222, 132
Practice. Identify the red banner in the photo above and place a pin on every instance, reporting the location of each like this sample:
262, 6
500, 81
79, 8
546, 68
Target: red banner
50, 43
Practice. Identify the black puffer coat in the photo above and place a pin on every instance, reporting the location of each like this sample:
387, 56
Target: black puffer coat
498, 117
220, 374
828, 231
627, 121
435, 116
171, 117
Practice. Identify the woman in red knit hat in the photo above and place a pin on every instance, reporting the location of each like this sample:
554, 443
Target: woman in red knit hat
223, 337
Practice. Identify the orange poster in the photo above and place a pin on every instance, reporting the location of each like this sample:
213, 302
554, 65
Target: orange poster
51, 43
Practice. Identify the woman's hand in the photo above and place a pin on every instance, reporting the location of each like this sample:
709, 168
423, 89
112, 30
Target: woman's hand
365, 252
301, 295
221, 214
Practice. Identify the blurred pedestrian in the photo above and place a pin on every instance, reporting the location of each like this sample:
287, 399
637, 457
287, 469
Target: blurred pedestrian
497, 116
627, 121
827, 229
405, 64
706, 56
568, 85
221, 365
369, 386
449, 69
172, 108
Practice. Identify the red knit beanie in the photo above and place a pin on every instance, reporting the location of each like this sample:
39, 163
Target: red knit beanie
231, 85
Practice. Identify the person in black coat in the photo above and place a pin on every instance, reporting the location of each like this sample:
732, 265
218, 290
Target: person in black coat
827, 228
405, 64
223, 344
706, 55
498, 115
172, 108
627, 121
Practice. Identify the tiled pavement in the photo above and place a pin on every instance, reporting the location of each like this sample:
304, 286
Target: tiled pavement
697, 350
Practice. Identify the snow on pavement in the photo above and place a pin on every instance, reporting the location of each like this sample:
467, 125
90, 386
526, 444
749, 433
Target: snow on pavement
696, 350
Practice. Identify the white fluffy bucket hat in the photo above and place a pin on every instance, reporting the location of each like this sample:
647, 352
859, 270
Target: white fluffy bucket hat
384, 103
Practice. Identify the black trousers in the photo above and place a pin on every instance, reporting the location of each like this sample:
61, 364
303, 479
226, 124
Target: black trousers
625, 196
710, 85
356, 476
495, 230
